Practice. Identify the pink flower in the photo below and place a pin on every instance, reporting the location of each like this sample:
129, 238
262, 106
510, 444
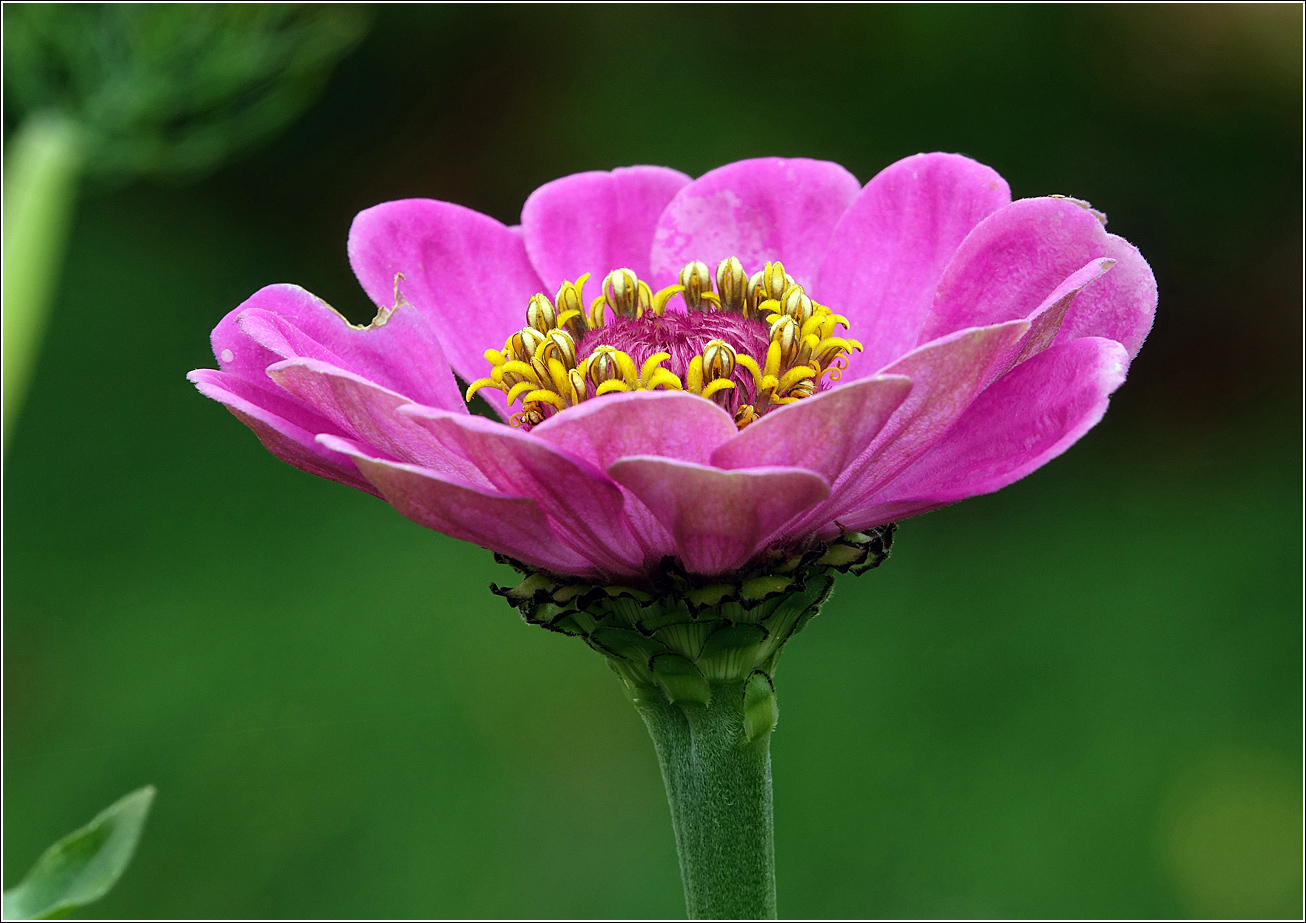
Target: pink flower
711, 412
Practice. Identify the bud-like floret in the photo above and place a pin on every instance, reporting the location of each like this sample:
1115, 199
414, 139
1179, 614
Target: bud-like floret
540, 314
732, 285
719, 360
697, 279
523, 344
603, 366
775, 281
784, 333
562, 347
621, 290
797, 305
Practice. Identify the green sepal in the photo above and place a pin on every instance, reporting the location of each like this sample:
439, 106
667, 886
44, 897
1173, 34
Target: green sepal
762, 588
713, 595
728, 637
567, 593
701, 633
567, 625
628, 592
877, 544
731, 652
841, 555
627, 644
684, 637
680, 679
655, 618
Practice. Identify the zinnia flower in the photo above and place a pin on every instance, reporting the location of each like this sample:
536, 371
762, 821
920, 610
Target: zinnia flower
779, 356
780, 365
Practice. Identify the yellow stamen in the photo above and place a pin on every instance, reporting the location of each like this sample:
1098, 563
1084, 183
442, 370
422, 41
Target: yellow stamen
558, 372
546, 397
596, 315
694, 375
524, 387
750, 363
650, 365
540, 364
627, 365
478, 384
663, 296
772, 367
518, 367
793, 376
664, 379
645, 299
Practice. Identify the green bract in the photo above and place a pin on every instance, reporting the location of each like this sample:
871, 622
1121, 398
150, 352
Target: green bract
679, 637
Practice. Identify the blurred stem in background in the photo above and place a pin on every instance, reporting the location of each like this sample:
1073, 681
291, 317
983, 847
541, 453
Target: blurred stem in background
42, 169
112, 93
115, 92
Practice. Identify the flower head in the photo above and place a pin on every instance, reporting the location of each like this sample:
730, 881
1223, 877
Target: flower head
775, 356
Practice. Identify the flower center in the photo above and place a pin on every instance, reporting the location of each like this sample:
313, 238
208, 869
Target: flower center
747, 343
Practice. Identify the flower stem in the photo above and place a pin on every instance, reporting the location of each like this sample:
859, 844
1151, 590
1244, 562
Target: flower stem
719, 787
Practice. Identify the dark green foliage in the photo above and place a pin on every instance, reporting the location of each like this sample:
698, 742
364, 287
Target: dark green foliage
171, 88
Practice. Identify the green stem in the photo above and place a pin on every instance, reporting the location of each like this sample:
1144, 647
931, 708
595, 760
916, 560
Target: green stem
42, 168
719, 788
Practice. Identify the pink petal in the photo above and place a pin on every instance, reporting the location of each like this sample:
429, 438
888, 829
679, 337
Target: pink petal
671, 424
1119, 307
1045, 321
271, 416
756, 210
1008, 265
947, 375
596, 222
366, 412
513, 526
718, 519
582, 503
236, 353
466, 272
286, 322
889, 250
877, 514
823, 433
1026, 419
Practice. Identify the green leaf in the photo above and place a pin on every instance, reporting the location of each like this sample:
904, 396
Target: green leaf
84, 865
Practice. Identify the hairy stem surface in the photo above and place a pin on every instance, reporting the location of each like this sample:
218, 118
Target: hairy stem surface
719, 788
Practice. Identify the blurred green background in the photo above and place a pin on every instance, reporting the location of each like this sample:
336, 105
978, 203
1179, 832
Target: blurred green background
1080, 697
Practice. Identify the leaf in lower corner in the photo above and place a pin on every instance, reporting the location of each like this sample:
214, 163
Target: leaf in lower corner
84, 865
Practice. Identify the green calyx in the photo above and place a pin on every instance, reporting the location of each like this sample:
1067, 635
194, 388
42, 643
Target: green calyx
677, 638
